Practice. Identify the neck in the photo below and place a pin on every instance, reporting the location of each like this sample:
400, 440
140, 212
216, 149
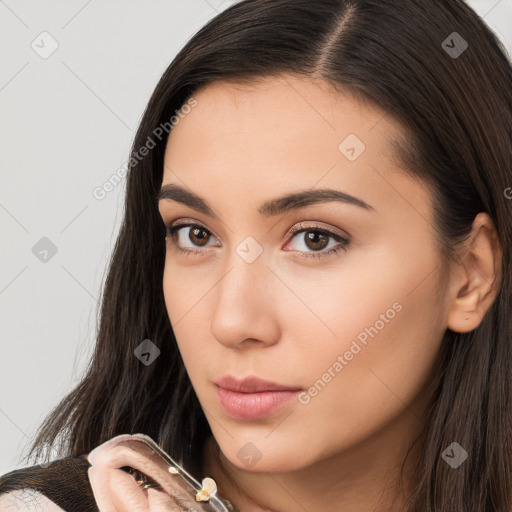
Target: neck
363, 478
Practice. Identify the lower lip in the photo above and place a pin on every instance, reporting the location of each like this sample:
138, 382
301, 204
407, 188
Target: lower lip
253, 406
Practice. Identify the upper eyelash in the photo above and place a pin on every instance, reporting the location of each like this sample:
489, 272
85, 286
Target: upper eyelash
301, 229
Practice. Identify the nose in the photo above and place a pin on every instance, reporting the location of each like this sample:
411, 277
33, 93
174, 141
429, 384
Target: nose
246, 312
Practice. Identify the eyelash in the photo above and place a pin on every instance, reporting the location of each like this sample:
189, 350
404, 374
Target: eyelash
172, 229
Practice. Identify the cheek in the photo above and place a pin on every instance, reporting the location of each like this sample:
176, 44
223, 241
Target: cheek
177, 302
183, 289
184, 293
388, 325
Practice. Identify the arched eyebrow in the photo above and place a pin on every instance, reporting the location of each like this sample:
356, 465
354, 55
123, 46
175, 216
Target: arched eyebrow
293, 201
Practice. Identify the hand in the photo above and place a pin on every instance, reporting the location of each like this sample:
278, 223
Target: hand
115, 490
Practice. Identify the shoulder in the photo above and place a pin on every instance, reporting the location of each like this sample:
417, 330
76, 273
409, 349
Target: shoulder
64, 484
25, 500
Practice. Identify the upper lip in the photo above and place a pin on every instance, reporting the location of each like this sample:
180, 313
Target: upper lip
251, 385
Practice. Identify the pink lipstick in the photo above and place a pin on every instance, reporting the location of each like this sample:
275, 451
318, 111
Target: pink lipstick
252, 398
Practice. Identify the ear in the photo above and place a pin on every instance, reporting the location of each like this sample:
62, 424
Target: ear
477, 276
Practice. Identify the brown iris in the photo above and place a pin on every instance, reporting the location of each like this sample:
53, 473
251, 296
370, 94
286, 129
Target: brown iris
199, 236
315, 240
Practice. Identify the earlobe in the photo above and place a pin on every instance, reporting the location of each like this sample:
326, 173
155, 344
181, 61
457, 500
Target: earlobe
477, 279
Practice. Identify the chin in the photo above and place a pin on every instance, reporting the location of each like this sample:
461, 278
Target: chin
277, 461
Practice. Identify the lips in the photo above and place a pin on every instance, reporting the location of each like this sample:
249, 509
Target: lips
252, 398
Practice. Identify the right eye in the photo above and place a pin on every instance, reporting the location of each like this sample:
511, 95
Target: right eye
181, 234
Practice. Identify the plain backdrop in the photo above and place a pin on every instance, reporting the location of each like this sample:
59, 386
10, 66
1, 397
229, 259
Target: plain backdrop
75, 77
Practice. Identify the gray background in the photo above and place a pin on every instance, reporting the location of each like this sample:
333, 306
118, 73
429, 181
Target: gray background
67, 121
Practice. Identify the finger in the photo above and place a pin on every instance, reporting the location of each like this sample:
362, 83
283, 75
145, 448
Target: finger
91, 457
144, 459
160, 501
100, 489
116, 490
128, 496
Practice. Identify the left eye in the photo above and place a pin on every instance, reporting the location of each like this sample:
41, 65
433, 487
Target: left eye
315, 242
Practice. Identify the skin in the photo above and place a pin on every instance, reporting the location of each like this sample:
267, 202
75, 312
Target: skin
287, 318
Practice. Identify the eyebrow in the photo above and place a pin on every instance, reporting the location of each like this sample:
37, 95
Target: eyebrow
293, 201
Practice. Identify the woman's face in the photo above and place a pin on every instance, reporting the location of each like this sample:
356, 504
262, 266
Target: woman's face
336, 295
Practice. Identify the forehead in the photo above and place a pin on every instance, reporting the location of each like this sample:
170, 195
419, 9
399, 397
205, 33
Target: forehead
285, 116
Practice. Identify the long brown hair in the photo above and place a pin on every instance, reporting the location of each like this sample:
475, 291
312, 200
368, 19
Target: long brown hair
437, 68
